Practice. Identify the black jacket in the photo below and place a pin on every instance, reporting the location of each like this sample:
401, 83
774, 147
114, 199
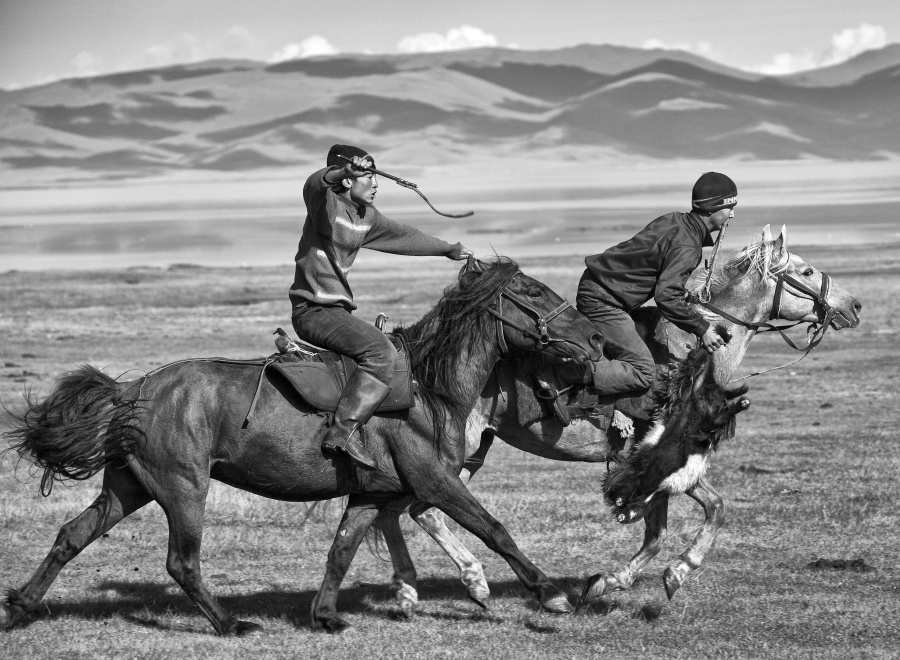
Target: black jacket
656, 263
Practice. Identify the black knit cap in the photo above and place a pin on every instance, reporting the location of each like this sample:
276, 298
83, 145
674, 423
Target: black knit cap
348, 151
713, 191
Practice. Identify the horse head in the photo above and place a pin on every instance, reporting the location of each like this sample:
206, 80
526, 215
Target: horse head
695, 414
530, 315
794, 289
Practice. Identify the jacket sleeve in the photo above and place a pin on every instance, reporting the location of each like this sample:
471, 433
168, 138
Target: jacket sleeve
319, 201
395, 238
670, 296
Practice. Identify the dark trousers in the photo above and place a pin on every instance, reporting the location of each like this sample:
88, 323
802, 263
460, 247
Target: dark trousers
630, 367
336, 329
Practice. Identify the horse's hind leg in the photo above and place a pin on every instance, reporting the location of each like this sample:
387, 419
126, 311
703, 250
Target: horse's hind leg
184, 507
354, 525
471, 571
404, 581
120, 496
655, 522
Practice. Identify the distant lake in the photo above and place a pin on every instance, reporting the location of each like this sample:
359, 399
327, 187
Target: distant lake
268, 236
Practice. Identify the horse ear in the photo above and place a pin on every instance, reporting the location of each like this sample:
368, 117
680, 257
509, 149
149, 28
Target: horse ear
767, 234
780, 248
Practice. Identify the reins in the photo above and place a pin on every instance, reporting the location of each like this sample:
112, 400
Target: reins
818, 329
542, 335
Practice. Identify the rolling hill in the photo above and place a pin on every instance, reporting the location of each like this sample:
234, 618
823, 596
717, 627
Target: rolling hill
234, 115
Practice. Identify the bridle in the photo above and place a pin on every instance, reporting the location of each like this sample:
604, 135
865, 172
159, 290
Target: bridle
542, 320
817, 330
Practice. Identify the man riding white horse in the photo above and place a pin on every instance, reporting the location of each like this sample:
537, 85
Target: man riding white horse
655, 263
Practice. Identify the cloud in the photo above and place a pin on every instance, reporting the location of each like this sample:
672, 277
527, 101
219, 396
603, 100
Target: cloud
309, 47
702, 48
844, 45
459, 38
86, 64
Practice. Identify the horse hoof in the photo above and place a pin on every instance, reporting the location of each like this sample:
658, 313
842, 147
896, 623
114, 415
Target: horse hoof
407, 609
593, 588
6, 618
671, 582
247, 629
558, 604
479, 596
332, 624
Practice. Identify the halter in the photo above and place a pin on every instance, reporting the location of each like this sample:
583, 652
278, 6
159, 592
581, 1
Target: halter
818, 329
542, 336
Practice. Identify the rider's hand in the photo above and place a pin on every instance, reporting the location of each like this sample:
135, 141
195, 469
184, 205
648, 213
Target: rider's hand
357, 167
712, 340
460, 253
465, 253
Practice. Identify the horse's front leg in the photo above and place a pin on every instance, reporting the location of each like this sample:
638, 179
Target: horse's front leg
655, 521
354, 525
689, 560
451, 496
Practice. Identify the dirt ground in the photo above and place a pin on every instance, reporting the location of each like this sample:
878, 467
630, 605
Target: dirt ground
805, 566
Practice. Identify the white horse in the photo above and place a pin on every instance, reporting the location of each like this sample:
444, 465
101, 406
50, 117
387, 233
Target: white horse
760, 283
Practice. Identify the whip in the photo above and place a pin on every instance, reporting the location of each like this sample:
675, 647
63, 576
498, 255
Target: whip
411, 186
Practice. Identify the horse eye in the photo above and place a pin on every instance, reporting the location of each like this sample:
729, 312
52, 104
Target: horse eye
808, 271
535, 293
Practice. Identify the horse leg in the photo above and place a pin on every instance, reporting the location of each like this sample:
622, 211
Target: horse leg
450, 495
471, 572
354, 524
714, 508
470, 569
655, 520
120, 496
184, 506
404, 581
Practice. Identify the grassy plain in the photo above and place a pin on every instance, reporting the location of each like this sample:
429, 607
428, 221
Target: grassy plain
814, 472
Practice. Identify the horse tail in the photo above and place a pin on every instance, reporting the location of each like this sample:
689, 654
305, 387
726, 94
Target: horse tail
81, 427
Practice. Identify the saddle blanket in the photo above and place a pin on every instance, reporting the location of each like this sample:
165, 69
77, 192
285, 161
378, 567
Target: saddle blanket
321, 379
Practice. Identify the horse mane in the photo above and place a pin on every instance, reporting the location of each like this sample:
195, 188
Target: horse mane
755, 260
454, 326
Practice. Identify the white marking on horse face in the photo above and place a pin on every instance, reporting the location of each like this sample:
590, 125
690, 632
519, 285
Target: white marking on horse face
686, 477
653, 435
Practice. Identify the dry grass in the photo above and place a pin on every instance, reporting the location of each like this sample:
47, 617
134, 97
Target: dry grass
813, 473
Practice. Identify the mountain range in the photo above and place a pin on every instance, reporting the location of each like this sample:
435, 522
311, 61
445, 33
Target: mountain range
236, 115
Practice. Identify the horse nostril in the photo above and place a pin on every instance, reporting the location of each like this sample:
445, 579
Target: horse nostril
857, 307
596, 341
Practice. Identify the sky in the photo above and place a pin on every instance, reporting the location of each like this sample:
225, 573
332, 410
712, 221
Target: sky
45, 40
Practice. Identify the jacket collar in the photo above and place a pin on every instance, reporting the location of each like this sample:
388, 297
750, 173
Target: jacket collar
700, 227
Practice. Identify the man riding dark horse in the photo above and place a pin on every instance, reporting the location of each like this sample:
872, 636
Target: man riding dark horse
341, 219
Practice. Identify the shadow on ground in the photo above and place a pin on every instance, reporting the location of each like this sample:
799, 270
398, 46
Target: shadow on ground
151, 604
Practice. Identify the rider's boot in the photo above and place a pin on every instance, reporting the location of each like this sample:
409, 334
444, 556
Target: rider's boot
359, 400
615, 378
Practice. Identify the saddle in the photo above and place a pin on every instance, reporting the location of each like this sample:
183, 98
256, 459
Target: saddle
319, 376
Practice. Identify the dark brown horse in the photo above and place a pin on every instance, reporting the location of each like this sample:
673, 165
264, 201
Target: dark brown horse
164, 436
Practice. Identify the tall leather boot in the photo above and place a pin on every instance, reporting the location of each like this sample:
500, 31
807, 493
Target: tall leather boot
361, 396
